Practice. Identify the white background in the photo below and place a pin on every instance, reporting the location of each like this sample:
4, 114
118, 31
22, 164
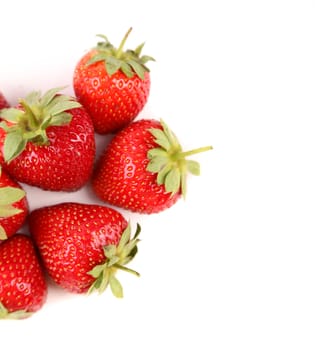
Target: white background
236, 265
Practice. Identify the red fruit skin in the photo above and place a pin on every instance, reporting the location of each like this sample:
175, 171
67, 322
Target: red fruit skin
70, 237
12, 224
121, 177
65, 164
112, 101
22, 281
3, 102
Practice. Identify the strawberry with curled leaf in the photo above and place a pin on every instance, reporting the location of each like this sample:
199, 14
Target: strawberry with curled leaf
13, 206
48, 141
83, 245
23, 289
112, 84
144, 169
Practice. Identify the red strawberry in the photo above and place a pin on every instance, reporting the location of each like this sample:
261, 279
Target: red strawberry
144, 169
13, 206
112, 84
83, 245
3, 102
48, 141
23, 289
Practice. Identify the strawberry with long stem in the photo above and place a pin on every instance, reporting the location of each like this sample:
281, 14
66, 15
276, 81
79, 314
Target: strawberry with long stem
113, 84
144, 168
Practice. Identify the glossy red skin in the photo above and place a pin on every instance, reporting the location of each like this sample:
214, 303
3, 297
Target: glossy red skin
12, 224
70, 237
3, 102
112, 101
121, 177
65, 164
22, 281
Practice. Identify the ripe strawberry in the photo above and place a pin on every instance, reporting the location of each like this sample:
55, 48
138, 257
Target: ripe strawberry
48, 141
83, 245
3, 102
13, 206
23, 289
113, 85
144, 169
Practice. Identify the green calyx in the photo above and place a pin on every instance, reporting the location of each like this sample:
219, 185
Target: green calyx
169, 161
15, 315
9, 196
29, 123
130, 62
116, 259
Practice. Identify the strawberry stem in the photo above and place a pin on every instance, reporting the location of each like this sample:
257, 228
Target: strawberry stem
124, 268
123, 41
194, 151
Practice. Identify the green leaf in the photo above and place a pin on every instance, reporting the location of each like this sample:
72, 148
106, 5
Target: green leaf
156, 164
163, 173
112, 65
97, 270
3, 235
104, 281
172, 139
138, 68
109, 251
115, 286
160, 138
96, 284
14, 144
50, 94
183, 184
6, 211
11, 114
60, 119
64, 106
127, 70
53, 102
33, 97
172, 181
157, 152
137, 233
113, 260
97, 58
10, 195
144, 59
138, 49
193, 167
124, 238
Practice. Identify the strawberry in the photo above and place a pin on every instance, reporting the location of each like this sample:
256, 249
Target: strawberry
112, 84
144, 169
3, 102
13, 206
48, 141
23, 288
83, 245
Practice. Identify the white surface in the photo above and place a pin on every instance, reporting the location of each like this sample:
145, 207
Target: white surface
235, 266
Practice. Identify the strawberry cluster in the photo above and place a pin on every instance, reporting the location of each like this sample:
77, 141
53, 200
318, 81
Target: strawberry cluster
48, 141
